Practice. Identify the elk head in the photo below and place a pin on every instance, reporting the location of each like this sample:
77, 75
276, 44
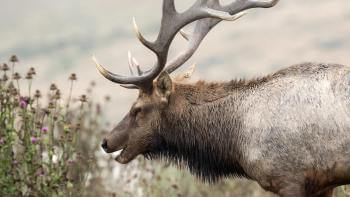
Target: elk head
137, 132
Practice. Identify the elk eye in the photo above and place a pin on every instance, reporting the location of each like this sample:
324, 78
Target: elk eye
135, 111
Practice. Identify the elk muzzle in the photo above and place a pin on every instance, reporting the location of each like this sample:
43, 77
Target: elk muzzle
118, 138
114, 143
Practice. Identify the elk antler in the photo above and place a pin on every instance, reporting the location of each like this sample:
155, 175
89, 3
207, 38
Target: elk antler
208, 13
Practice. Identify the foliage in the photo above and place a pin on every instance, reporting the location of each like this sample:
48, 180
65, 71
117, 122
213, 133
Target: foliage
41, 153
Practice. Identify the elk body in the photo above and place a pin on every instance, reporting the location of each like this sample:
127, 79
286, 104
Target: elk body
288, 131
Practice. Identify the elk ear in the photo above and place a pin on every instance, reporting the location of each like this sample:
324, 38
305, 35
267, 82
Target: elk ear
164, 84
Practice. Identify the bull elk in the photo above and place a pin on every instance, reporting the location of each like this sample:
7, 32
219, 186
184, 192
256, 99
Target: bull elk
289, 131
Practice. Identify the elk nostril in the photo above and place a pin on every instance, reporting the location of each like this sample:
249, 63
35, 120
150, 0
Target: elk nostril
104, 144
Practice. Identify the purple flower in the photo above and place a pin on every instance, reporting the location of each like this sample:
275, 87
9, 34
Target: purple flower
2, 141
23, 104
34, 140
44, 130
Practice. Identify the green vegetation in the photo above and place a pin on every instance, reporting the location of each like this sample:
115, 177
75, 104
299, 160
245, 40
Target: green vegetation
50, 147
41, 151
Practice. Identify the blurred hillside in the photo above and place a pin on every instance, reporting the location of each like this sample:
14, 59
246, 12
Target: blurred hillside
59, 37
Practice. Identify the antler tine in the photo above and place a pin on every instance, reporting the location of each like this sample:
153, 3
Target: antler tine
258, 4
133, 63
187, 74
130, 63
202, 28
230, 12
140, 36
211, 13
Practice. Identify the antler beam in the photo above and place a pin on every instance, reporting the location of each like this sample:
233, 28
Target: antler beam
208, 13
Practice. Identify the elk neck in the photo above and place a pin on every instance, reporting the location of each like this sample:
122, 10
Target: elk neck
201, 130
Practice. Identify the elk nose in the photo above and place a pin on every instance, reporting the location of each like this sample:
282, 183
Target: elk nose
104, 145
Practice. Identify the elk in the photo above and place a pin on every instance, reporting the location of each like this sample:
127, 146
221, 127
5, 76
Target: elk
288, 131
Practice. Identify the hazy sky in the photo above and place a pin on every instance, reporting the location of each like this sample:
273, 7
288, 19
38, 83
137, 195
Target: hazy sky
58, 37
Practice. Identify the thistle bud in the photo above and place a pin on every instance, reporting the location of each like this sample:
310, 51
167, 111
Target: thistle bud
33, 110
83, 98
53, 87
12, 89
77, 126
11, 86
37, 94
57, 94
46, 111
51, 105
29, 76
5, 67
73, 77
16, 76
175, 186
5, 78
14, 92
38, 125
13, 59
32, 71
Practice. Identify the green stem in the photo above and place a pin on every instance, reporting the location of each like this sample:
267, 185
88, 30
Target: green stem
19, 91
70, 96
13, 69
29, 89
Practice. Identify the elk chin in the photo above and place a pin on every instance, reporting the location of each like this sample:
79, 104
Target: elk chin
126, 156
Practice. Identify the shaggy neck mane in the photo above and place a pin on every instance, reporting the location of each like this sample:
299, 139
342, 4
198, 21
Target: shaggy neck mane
203, 92
200, 133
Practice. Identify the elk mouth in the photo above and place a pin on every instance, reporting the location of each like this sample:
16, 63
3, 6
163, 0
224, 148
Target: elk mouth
126, 155
120, 158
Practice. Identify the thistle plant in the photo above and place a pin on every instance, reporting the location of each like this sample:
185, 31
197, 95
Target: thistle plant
41, 150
